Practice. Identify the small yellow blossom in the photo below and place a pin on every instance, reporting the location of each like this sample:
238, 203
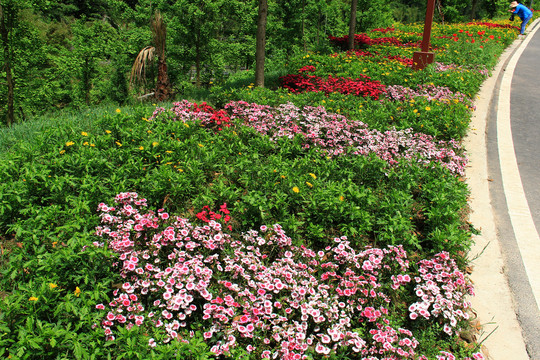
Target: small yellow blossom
84, 133
180, 170
141, 147
118, 111
52, 285
313, 176
155, 143
85, 143
341, 198
118, 143
108, 131
309, 184
77, 291
69, 143
201, 145
428, 108
62, 151
32, 298
296, 189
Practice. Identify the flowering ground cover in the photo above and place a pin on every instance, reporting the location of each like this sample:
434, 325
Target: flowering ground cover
264, 223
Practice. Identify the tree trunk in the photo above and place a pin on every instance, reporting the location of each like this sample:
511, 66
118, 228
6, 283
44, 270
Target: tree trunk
352, 24
4, 32
261, 42
304, 24
86, 80
163, 86
197, 63
474, 6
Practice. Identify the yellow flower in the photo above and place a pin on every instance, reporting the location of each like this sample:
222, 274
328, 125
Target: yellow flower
52, 285
313, 176
62, 151
69, 143
428, 108
141, 147
77, 291
108, 131
32, 298
201, 145
155, 143
341, 198
415, 111
168, 151
85, 143
180, 170
118, 143
296, 189
84, 133
309, 184
92, 145
118, 111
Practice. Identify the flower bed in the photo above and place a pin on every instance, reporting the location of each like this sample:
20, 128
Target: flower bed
296, 300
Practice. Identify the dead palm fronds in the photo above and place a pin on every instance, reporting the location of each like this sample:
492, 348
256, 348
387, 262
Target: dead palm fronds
138, 70
160, 34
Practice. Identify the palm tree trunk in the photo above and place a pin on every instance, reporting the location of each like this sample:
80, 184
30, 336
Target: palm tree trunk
163, 85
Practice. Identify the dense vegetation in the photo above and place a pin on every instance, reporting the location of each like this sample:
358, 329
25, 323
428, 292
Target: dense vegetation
324, 216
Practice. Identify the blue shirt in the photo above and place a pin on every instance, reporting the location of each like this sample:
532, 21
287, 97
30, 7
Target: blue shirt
522, 11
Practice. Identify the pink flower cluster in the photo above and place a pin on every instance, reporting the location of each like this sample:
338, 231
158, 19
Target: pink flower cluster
430, 92
186, 110
256, 291
440, 67
441, 288
335, 135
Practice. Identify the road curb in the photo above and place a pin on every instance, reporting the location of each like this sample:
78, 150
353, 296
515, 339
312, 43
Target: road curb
493, 303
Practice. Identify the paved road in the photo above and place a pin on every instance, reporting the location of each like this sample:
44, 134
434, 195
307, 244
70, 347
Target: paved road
513, 144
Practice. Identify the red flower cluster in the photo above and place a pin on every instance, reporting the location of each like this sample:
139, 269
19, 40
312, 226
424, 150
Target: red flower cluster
384, 31
308, 68
297, 83
363, 39
492, 25
206, 215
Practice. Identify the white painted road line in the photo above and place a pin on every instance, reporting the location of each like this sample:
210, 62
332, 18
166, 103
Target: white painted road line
523, 226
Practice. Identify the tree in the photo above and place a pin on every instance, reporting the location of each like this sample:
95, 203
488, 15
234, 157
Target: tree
261, 42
